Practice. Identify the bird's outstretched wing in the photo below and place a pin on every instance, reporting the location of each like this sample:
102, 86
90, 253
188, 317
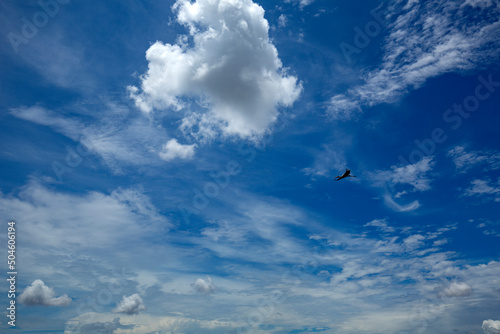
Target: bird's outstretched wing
346, 174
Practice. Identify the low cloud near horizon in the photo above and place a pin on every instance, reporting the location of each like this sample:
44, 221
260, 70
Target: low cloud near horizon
38, 294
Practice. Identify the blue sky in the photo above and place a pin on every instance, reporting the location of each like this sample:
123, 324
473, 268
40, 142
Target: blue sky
170, 165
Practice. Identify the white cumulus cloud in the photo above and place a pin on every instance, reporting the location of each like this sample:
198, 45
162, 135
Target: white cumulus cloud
173, 150
231, 69
204, 286
491, 326
130, 305
38, 294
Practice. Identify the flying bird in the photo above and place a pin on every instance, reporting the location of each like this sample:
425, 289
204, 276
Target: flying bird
346, 174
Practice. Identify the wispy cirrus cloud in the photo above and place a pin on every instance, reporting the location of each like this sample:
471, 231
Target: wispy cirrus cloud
69, 127
484, 188
103, 220
402, 180
465, 160
381, 224
327, 162
425, 39
119, 138
300, 3
318, 266
400, 207
489, 228
414, 175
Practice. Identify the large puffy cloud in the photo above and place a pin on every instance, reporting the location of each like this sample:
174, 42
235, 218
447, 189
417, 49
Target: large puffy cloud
231, 67
491, 326
130, 305
38, 294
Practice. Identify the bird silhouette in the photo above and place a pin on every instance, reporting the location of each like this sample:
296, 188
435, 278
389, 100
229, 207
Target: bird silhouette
346, 174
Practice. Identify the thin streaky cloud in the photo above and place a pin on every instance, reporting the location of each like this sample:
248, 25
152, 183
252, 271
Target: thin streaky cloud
465, 160
482, 188
71, 128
